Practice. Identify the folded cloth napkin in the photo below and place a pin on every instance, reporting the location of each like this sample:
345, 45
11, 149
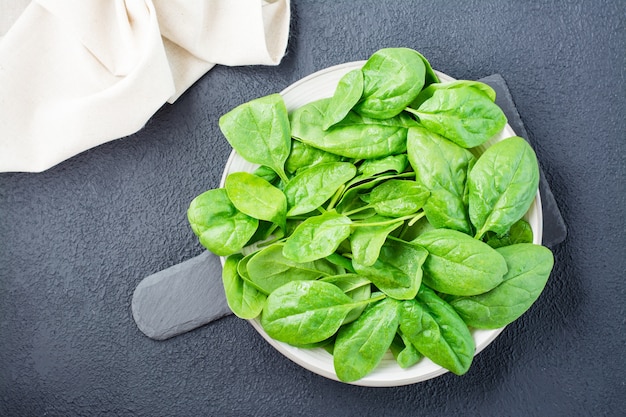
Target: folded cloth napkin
76, 74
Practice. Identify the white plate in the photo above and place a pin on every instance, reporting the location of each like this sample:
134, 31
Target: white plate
319, 85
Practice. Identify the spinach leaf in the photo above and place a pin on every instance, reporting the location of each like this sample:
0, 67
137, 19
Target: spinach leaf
303, 156
259, 131
302, 312
361, 345
391, 163
220, 227
457, 264
392, 78
428, 92
367, 241
398, 270
442, 167
268, 269
463, 115
317, 237
430, 77
312, 187
405, 354
355, 189
347, 94
354, 137
397, 198
244, 300
267, 173
256, 197
357, 287
520, 232
529, 269
437, 331
502, 185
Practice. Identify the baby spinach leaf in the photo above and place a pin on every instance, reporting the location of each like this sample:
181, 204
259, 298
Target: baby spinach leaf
244, 300
391, 163
463, 115
256, 197
312, 187
529, 269
361, 345
428, 92
520, 232
366, 241
220, 227
397, 198
430, 76
354, 137
259, 131
437, 331
392, 78
405, 354
303, 156
268, 269
457, 264
442, 167
317, 237
347, 94
267, 173
302, 312
502, 185
398, 270
357, 287
350, 200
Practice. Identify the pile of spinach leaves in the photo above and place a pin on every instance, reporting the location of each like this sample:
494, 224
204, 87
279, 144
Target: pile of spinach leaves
372, 224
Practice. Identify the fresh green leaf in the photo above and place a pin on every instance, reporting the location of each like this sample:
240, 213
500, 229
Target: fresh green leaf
442, 167
367, 241
303, 156
397, 198
520, 232
502, 185
529, 269
457, 264
269, 268
259, 131
398, 270
244, 300
354, 137
347, 94
309, 189
392, 79
361, 345
302, 312
220, 227
317, 237
437, 331
463, 115
256, 197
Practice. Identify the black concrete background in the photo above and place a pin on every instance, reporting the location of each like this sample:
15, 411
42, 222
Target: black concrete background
78, 238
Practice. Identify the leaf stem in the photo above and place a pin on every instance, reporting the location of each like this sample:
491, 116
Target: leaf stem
356, 210
336, 197
390, 221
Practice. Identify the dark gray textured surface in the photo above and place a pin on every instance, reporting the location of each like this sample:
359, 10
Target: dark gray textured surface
78, 238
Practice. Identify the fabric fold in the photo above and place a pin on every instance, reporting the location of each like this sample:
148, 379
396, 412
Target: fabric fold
76, 74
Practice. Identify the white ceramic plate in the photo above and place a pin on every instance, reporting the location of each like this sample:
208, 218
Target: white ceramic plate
313, 87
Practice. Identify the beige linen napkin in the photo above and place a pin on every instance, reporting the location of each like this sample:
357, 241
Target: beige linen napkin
76, 74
